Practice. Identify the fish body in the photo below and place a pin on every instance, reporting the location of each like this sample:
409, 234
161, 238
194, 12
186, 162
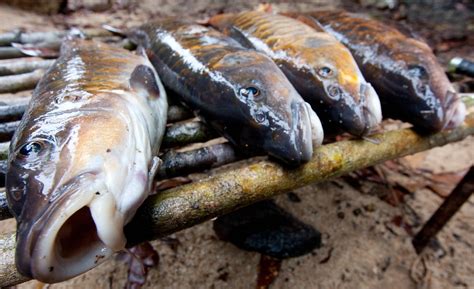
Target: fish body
240, 92
83, 158
404, 71
320, 67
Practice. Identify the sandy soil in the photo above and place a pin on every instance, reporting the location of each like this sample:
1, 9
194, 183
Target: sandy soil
364, 245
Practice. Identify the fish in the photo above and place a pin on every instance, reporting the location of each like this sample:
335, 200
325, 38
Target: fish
83, 158
322, 69
411, 83
239, 92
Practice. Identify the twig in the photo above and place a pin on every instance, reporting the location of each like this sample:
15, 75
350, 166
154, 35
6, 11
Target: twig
445, 212
185, 133
187, 205
7, 129
11, 112
183, 163
179, 134
25, 81
23, 65
10, 52
50, 36
178, 113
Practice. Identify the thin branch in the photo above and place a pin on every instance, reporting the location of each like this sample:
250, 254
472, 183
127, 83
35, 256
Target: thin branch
50, 36
23, 65
183, 163
180, 134
25, 81
10, 52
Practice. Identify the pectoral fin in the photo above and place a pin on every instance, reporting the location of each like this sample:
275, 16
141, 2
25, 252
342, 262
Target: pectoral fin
143, 81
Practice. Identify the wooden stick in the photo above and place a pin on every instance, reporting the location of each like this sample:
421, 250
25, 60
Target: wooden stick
181, 134
50, 36
23, 65
183, 163
10, 52
187, 205
445, 212
25, 81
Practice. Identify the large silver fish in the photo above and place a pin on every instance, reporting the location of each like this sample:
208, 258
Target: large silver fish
83, 158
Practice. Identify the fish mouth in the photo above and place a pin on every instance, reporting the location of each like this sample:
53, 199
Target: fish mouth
78, 232
372, 109
363, 117
306, 131
455, 112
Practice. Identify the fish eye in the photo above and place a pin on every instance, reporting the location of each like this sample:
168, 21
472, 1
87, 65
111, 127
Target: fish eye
416, 70
249, 91
333, 91
325, 72
31, 149
260, 117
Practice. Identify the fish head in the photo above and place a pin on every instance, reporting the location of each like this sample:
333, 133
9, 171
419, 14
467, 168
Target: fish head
348, 98
436, 104
63, 175
269, 112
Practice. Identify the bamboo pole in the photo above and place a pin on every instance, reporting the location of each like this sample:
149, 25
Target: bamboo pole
187, 205
186, 133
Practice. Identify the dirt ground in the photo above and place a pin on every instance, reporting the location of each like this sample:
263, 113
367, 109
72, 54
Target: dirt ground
366, 227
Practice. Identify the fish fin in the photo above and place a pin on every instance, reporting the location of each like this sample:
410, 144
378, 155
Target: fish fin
264, 7
114, 30
239, 36
313, 22
155, 165
143, 81
141, 51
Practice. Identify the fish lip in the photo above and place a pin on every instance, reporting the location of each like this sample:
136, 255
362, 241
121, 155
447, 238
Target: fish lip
296, 148
455, 111
301, 145
366, 115
31, 238
371, 107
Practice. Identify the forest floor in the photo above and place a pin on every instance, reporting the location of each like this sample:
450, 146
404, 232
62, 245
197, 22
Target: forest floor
367, 223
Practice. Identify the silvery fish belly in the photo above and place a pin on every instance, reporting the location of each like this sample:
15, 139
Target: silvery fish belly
240, 92
411, 83
83, 158
317, 64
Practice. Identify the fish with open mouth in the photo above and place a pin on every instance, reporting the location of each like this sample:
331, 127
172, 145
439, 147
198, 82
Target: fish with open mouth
83, 158
240, 92
412, 85
316, 63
